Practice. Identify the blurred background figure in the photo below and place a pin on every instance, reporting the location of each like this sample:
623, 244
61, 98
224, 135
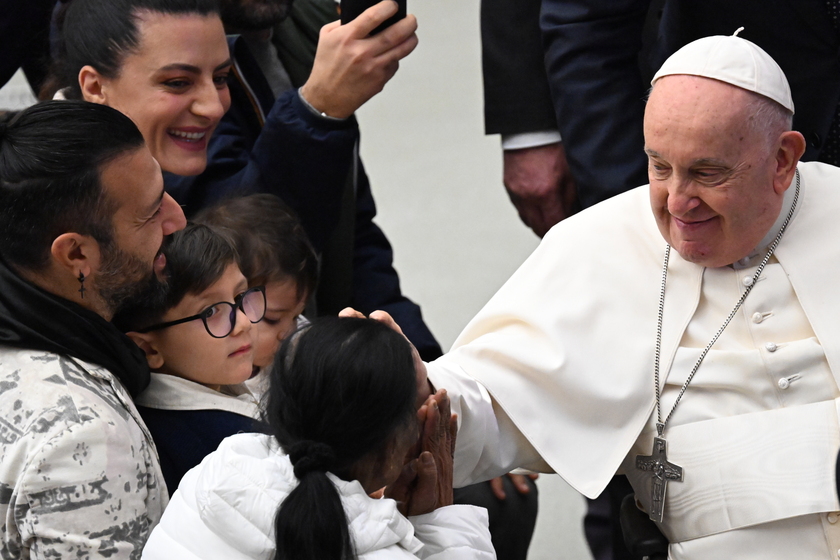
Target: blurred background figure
584, 78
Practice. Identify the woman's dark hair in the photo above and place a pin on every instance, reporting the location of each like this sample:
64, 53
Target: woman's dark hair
270, 240
100, 33
340, 390
196, 257
51, 158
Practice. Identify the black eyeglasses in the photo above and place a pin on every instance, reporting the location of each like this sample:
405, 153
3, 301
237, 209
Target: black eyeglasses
218, 319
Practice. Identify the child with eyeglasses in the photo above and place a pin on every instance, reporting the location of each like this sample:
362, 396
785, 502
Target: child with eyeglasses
199, 340
273, 252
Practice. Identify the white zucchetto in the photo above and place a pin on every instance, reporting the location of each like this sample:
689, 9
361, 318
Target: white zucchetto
732, 60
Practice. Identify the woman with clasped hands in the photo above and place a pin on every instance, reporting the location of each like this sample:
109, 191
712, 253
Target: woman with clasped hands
343, 423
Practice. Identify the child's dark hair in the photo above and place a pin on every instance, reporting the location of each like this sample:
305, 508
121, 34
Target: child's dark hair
270, 240
196, 257
341, 390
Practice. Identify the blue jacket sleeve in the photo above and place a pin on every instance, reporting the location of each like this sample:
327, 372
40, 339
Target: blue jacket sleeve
297, 155
375, 282
592, 50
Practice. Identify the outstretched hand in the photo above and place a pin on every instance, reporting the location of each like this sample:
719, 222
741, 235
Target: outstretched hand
424, 388
425, 483
351, 66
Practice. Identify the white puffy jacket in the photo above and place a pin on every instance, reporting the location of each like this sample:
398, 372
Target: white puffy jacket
224, 508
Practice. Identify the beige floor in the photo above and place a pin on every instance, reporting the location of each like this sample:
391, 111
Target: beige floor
436, 179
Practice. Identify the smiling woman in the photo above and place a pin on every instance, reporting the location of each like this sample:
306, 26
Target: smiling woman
164, 63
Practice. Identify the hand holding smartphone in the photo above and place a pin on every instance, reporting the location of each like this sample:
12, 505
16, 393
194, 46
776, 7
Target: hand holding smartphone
351, 66
351, 9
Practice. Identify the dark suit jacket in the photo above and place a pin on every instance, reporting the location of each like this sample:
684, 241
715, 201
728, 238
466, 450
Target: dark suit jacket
516, 94
25, 39
598, 84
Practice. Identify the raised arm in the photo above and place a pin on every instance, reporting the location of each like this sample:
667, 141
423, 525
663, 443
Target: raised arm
301, 147
351, 66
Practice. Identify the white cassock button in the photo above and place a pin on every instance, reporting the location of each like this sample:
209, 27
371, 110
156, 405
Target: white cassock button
838, 554
771, 346
784, 383
757, 317
832, 518
748, 280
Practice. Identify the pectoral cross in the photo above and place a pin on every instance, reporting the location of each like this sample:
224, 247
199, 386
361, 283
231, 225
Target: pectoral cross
661, 471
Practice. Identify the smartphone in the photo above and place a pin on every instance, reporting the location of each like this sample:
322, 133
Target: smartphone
351, 9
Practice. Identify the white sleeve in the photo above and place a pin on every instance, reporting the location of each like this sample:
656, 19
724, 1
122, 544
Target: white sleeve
488, 443
529, 139
182, 534
454, 532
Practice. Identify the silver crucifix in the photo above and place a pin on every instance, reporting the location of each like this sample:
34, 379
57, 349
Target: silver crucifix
661, 471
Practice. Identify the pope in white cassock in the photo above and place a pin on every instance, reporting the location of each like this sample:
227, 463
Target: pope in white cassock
578, 363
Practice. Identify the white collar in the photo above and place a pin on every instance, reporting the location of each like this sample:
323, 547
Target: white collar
761, 249
168, 392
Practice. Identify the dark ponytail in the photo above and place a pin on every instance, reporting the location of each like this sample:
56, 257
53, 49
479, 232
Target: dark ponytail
341, 390
311, 523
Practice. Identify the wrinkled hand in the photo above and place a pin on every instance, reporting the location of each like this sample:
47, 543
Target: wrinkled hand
424, 388
425, 483
520, 482
350, 66
540, 185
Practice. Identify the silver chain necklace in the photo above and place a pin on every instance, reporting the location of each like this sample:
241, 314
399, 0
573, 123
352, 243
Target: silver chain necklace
661, 471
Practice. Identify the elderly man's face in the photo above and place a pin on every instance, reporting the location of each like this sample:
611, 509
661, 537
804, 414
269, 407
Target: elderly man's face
251, 15
712, 184
145, 214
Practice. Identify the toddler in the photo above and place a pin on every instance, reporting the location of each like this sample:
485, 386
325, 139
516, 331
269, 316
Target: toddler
273, 252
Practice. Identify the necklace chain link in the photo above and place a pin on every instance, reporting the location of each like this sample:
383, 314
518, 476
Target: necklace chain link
660, 425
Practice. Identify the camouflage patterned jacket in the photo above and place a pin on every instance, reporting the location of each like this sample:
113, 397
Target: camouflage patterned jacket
79, 474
